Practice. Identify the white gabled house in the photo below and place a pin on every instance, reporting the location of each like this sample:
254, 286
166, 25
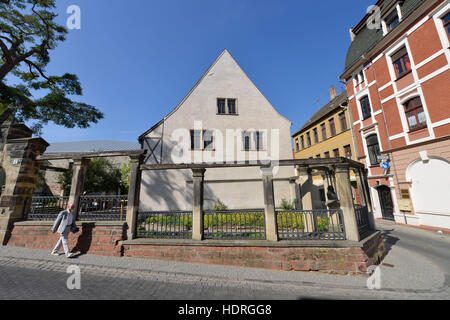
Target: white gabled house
223, 118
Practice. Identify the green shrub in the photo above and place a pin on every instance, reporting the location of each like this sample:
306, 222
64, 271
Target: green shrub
220, 206
287, 205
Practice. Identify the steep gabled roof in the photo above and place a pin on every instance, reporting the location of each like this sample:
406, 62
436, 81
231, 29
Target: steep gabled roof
225, 51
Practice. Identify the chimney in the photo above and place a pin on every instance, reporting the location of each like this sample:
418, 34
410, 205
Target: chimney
333, 93
352, 34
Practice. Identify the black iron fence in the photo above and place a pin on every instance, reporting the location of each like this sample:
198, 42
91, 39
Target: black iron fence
234, 224
164, 225
103, 208
362, 220
47, 208
310, 225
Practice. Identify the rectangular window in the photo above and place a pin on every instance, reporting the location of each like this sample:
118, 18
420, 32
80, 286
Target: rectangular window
316, 136
196, 140
332, 127
336, 153
415, 114
246, 141
318, 156
446, 21
343, 121
327, 154
401, 62
348, 151
297, 146
374, 149
221, 106
392, 20
365, 107
231, 106
303, 142
259, 143
208, 140
308, 139
324, 131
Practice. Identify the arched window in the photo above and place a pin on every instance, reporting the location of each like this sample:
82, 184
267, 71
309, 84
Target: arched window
373, 149
415, 114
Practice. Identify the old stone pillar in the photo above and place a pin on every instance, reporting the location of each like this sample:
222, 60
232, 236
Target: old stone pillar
76, 188
133, 195
294, 188
198, 177
21, 171
365, 187
344, 193
309, 220
269, 206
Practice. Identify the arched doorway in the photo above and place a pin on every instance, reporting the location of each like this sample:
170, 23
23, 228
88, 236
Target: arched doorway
430, 186
386, 203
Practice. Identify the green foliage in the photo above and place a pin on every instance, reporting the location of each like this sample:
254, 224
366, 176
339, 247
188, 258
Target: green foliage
220, 206
125, 176
28, 32
250, 219
101, 176
287, 205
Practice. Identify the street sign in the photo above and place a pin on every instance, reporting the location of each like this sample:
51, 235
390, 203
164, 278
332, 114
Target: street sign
384, 165
383, 157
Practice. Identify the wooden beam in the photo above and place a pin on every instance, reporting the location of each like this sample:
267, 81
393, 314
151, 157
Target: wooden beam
87, 155
236, 164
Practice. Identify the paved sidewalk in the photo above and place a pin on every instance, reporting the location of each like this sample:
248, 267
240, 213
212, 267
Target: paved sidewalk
411, 277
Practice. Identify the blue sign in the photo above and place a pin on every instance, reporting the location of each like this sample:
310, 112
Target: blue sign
384, 165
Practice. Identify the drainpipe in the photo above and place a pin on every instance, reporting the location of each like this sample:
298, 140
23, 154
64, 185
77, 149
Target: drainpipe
387, 130
355, 144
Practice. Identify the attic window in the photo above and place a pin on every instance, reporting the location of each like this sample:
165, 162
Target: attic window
226, 106
391, 21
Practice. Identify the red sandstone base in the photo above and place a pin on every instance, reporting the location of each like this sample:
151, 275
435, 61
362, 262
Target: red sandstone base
108, 239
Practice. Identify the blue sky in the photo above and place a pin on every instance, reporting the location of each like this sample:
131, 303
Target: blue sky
137, 59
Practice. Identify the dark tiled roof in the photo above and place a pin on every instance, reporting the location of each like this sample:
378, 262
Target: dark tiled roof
331, 106
366, 38
92, 146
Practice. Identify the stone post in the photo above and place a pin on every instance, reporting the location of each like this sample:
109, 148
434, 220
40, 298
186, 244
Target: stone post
309, 220
133, 195
295, 192
198, 177
344, 193
21, 171
368, 202
269, 206
76, 188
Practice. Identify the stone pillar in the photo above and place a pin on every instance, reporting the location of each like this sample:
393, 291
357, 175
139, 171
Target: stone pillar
295, 192
76, 188
344, 193
198, 177
325, 186
133, 195
368, 202
21, 171
309, 220
269, 206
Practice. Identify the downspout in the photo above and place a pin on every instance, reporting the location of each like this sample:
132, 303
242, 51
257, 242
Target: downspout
355, 145
387, 130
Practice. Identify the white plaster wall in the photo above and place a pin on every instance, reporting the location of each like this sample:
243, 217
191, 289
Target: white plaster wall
224, 79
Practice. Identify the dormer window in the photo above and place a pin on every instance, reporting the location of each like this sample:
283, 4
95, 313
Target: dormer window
392, 21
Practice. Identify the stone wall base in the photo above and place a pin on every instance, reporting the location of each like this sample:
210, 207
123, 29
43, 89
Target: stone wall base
99, 238
353, 260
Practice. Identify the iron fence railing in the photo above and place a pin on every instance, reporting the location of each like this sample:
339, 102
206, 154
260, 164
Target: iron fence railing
103, 208
164, 225
310, 224
246, 224
362, 219
47, 208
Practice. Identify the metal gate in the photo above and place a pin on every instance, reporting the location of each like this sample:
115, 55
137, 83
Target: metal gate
387, 206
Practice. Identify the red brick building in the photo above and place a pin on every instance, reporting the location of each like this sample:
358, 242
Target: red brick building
398, 82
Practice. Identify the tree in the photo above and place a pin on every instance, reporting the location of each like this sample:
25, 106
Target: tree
101, 176
28, 32
125, 172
